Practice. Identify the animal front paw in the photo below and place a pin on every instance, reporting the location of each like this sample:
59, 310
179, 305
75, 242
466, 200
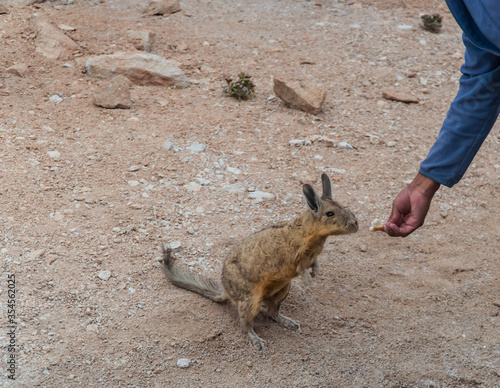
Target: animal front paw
314, 269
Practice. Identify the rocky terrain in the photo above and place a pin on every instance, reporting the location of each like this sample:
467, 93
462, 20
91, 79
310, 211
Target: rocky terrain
100, 166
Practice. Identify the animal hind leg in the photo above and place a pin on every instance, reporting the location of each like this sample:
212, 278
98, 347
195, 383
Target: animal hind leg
273, 304
248, 309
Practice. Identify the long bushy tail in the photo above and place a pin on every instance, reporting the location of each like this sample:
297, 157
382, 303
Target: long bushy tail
185, 279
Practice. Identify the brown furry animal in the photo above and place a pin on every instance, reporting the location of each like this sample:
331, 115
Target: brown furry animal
260, 268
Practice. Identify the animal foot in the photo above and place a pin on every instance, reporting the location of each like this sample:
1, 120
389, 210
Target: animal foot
288, 323
258, 343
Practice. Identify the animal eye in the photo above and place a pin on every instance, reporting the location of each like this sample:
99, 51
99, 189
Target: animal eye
330, 214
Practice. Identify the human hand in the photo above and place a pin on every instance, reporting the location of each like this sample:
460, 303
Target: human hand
411, 206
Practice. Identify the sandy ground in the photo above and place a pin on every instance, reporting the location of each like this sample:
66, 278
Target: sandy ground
383, 312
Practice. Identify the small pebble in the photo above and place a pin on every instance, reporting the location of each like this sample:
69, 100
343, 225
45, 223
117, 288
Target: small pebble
233, 170
193, 186
345, 145
56, 155
197, 147
134, 168
261, 196
55, 98
183, 363
104, 275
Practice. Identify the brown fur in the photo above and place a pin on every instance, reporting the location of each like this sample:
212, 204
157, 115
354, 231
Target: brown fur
260, 268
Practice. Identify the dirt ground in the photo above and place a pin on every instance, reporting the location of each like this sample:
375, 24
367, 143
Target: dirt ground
416, 312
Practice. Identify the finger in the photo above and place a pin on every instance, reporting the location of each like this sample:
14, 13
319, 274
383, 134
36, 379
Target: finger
396, 215
398, 231
391, 229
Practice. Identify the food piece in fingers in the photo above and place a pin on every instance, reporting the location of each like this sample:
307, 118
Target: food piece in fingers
377, 225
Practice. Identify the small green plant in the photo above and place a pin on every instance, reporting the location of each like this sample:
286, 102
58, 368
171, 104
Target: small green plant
432, 23
242, 89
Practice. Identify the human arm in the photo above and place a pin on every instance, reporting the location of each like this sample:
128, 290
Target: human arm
470, 118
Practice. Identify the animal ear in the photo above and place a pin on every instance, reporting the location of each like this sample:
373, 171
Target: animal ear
313, 201
327, 186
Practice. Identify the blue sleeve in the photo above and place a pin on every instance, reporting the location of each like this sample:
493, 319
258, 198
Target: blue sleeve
470, 118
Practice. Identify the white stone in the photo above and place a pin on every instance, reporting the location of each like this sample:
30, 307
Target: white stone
234, 170
235, 188
133, 183
297, 142
104, 275
175, 245
197, 147
260, 196
140, 68
345, 145
56, 155
183, 363
338, 170
55, 98
201, 181
169, 145
193, 186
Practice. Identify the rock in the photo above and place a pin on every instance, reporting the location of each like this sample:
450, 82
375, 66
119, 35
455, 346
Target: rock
19, 70
173, 245
50, 41
19, 3
193, 186
50, 259
133, 183
260, 196
399, 94
56, 155
169, 145
36, 254
197, 147
300, 95
207, 69
143, 40
134, 168
163, 7
104, 275
345, 145
391, 143
338, 170
140, 68
201, 181
235, 188
64, 27
296, 142
183, 363
233, 170
363, 248
183, 46
55, 98
57, 216
114, 93
3, 9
